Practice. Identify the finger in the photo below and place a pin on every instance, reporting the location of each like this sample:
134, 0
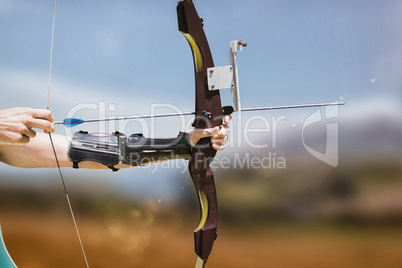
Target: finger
223, 128
227, 119
219, 140
29, 133
21, 132
40, 123
218, 147
207, 132
18, 138
23, 139
41, 114
222, 132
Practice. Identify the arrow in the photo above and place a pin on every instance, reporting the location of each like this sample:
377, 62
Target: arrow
72, 122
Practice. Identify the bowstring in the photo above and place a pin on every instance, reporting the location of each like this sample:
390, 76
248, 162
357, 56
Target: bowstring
51, 141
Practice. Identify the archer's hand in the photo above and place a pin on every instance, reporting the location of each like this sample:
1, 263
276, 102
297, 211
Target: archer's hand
16, 124
218, 134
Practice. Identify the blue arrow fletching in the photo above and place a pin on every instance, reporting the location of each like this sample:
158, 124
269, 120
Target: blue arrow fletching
72, 122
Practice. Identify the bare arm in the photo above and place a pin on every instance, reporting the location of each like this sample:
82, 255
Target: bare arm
21, 146
38, 152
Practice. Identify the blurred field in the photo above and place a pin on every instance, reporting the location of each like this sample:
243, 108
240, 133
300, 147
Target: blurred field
50, 241
308, 215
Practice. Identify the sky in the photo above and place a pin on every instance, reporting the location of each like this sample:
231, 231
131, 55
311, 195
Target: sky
128, 55
298, 51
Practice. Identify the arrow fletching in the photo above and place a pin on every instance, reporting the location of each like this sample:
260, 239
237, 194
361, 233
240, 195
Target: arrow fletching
72, 122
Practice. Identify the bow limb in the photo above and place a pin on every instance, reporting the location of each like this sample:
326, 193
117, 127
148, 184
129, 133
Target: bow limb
208, 113
205, 233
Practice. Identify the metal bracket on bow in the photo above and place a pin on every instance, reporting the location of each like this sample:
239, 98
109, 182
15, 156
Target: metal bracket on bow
227, 76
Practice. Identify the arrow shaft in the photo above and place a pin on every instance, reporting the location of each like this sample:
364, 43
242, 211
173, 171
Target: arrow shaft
292, 106
134, 117
128, 117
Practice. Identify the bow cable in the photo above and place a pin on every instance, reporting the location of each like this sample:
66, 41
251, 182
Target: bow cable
51, 141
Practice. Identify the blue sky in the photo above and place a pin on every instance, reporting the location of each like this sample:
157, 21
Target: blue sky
131, 54
299, 51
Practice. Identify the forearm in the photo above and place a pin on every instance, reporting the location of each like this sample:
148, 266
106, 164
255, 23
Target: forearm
38, 153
